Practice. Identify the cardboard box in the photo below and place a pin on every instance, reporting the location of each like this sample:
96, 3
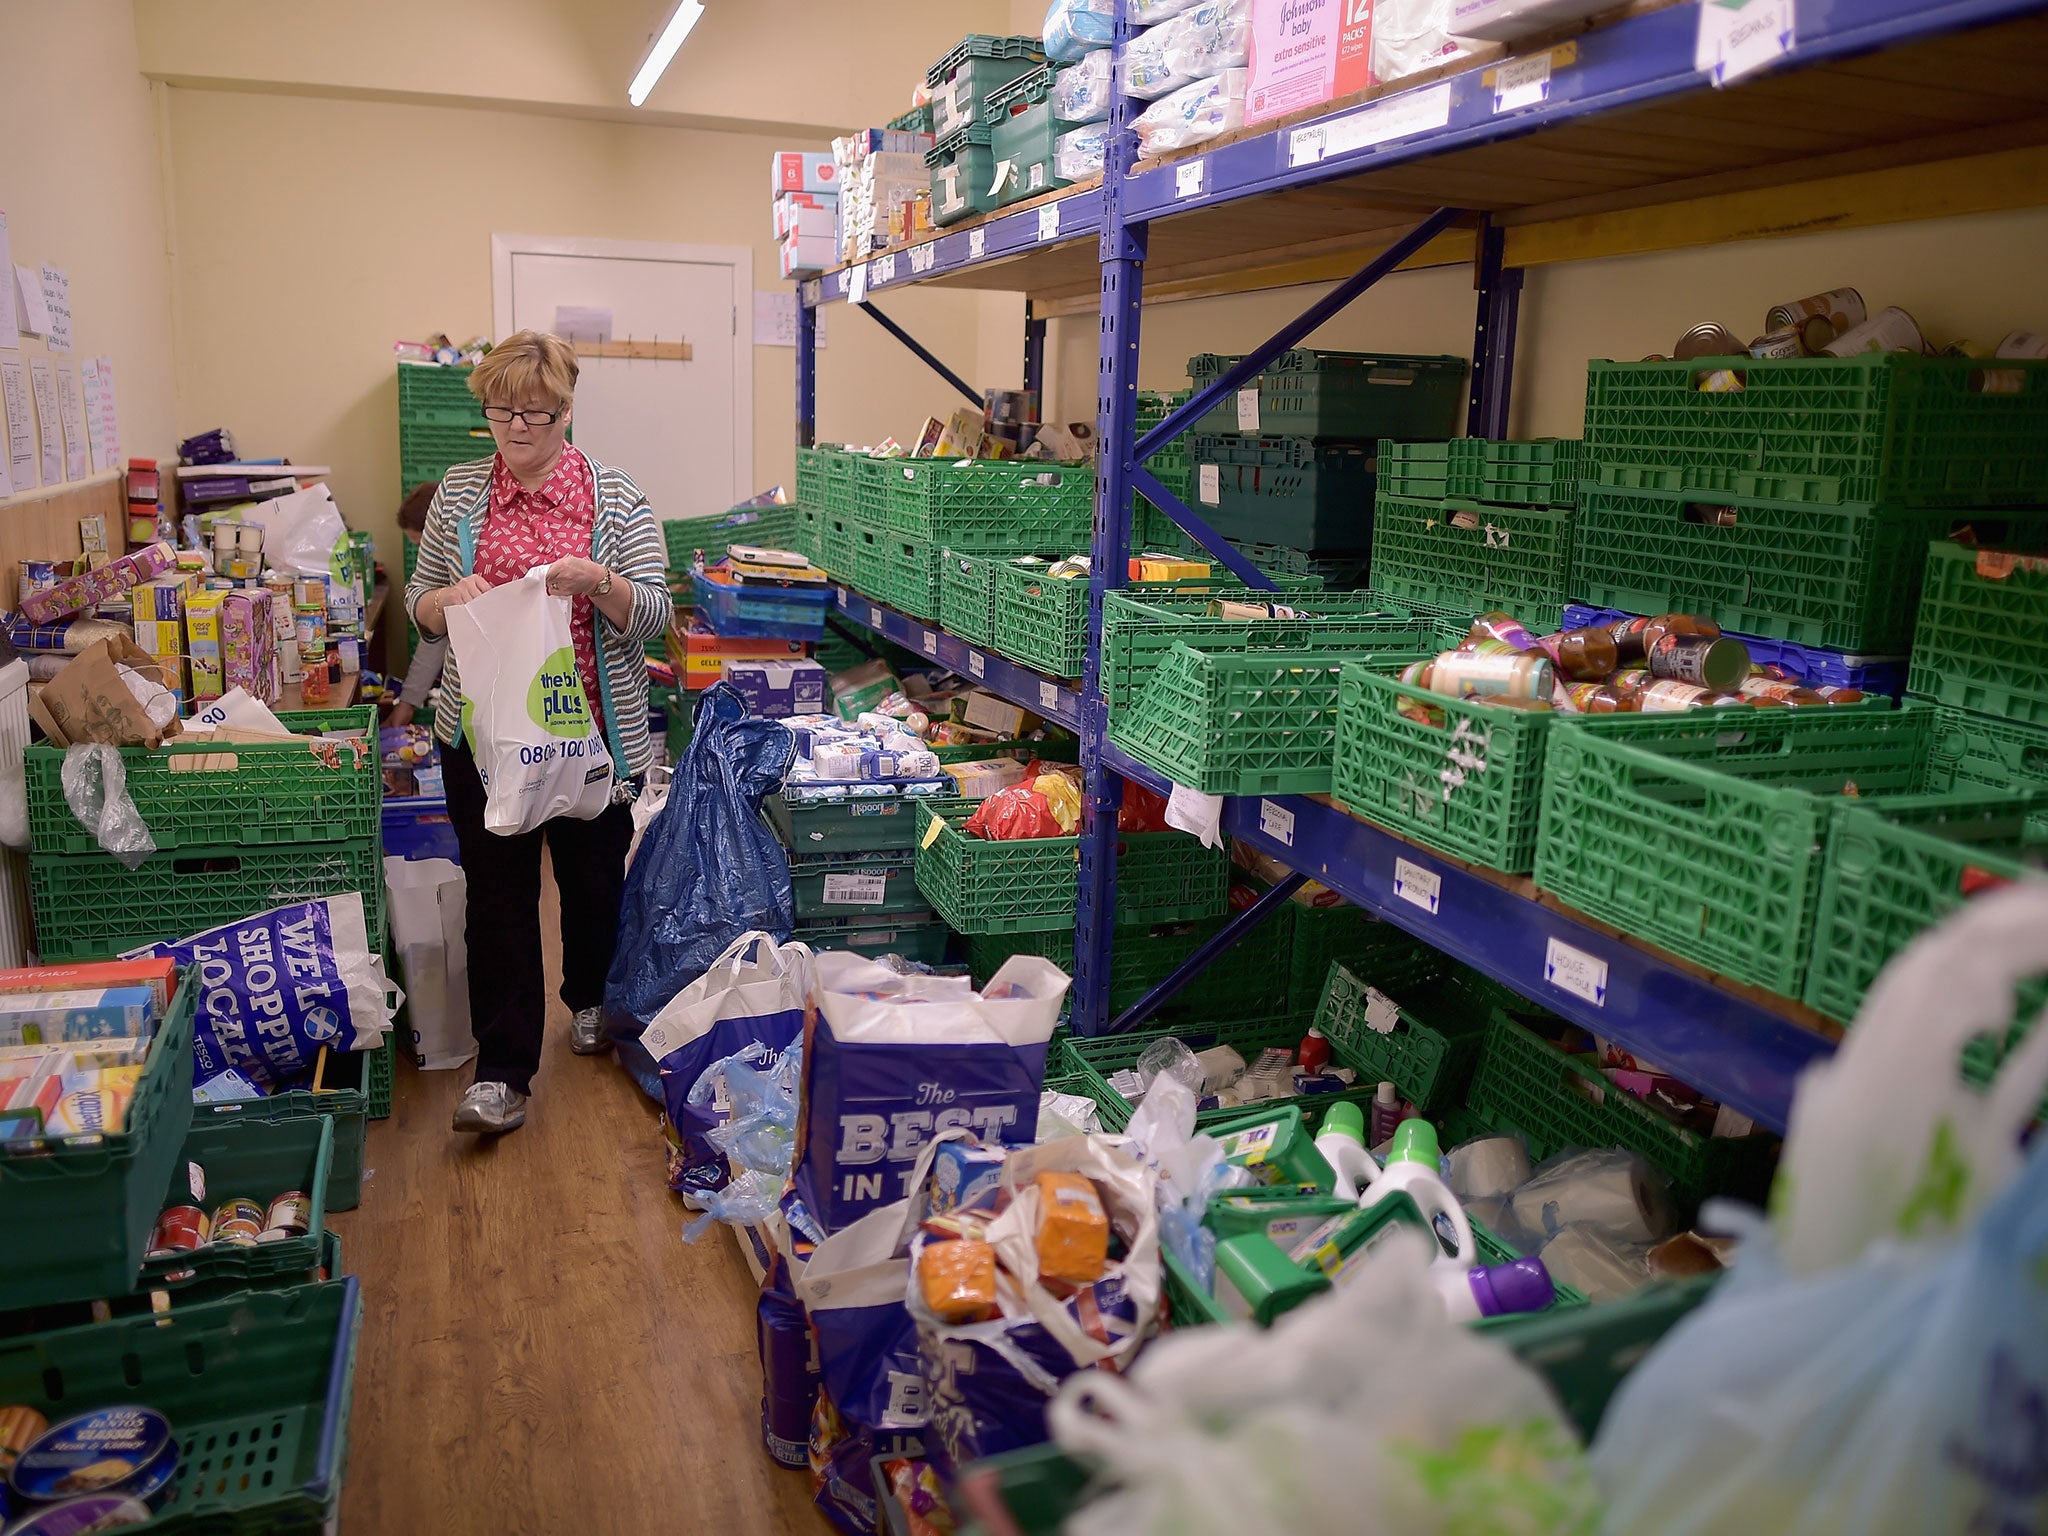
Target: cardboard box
996, 714
799, 255
95, 586
790, 205
778, 689
204, 616
159, 974
95, 1013
1353, 65
792, 170
701, 642
163, 597
1293, 56
809, 224
1502, 21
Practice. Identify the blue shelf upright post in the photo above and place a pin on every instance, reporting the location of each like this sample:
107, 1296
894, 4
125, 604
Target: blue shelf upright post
1034, 356
1116, 430
806, 366
1493, 335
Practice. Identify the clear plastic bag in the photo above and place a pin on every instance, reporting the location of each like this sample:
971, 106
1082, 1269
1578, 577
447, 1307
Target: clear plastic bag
1072, 27
1078, 155
1607, 1190
1081, 91
1196, 45
757, 1089
1148, 13
1409, 36
1193, 114
96, 788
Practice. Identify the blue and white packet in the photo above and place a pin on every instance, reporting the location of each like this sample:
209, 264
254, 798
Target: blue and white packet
275, 987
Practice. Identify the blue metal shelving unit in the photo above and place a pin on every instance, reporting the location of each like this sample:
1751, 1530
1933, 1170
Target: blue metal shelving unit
1744, 1048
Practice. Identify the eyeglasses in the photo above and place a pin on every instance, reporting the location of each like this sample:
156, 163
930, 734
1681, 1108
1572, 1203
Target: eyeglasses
505, 413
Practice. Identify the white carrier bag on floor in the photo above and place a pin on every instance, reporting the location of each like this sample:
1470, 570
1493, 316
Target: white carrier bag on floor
538, 748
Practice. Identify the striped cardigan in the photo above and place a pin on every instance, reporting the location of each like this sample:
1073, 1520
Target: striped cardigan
626, 539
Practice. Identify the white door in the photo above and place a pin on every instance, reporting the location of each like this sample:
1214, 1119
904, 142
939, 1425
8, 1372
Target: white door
683, 430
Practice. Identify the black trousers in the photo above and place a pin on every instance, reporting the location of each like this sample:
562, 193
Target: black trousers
507, 987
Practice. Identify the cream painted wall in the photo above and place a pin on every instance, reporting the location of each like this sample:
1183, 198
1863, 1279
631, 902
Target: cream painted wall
1977, 277
81, 190
288, 321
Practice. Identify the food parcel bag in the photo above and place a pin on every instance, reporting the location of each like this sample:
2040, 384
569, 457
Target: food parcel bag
538, 748
1877, 1361
429, 929
708, 872
987, 1384
891, 1060
753, 994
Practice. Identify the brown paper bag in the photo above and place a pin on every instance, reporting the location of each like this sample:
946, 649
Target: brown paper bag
88, 701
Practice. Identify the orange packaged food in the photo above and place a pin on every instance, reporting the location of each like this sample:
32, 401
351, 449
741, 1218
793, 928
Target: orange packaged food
1073, 1230
958, 1280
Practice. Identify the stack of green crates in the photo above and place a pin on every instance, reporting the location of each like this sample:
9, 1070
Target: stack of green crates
1980, 657
1022, 139
971, 71
852, 875
440, 423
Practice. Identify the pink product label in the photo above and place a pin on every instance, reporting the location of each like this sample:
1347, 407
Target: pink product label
1293, 56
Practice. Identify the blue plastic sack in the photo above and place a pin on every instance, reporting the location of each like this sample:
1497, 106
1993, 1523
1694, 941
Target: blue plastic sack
708, 871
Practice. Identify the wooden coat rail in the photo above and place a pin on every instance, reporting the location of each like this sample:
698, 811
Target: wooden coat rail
639, 351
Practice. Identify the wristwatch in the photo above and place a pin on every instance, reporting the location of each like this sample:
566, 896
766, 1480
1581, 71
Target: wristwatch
604, 588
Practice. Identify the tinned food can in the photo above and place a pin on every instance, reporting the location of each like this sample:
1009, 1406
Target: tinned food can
1787, 342
180, 1229
1841, 308
237, 1209
1889, 330
292, 1212
1707, 340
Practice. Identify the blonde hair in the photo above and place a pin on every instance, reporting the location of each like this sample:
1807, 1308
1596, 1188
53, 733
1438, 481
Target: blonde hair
525, 364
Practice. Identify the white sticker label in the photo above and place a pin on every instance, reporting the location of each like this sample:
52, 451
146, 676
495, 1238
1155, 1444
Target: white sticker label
1397, 117
1382, 1013
1048, 696
1248, 408
1522, 83
855, 890
922, 257
1187, 178
874, 615
1212, 484
977, 244
845, 279
857, 285
1049, 222
1740, 37
931, 643
977, 663
1277, 822
1576, 972
1423, 887
885, 268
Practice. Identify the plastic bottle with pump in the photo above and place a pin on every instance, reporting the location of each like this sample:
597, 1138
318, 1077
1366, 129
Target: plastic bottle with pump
1386, 1114
1412, 1167
1342, 1143
1470, 1294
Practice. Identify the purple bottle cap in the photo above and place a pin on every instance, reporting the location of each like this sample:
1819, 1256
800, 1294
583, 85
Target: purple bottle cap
1523, 1286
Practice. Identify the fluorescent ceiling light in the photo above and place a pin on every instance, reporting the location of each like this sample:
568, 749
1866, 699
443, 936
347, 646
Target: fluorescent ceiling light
664, 49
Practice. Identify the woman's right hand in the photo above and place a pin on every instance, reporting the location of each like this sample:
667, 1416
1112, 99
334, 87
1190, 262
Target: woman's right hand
463, 591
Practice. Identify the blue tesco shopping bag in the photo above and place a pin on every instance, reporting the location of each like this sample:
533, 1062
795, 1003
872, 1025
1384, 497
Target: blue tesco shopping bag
893, 1060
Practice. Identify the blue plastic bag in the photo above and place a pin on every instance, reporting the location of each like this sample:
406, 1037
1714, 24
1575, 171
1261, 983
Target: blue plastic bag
1072, 27
708, 871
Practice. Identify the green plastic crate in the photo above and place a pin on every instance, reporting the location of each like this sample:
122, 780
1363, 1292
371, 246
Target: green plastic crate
1031, 884
90, 1208
1460, 555
1430, 1047
1885, 427
916, 120
1420, 470
1470, 787
1139, 627
978, 64
257, 1160
295, 792
88, 906
807, 532
869, 488
1555, 1100
1244, 723
431, 394
1981, 639
1288, 490
1023, 135
836, 543
258, 1385
1704, 833
1382, 954
963, 171
1841, 575
343, 1099
875, 824
813, 473
829, 887
967, 590
764, 527
1538, 472
985, 504
923, 940
1042, 621
902, 572
380, 1074
1361, 396
1981, 750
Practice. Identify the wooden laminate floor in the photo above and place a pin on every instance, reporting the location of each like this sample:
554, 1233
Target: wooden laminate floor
541, 1351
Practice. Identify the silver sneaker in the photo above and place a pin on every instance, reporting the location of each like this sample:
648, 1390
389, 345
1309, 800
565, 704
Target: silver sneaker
586, 1032
490, 1108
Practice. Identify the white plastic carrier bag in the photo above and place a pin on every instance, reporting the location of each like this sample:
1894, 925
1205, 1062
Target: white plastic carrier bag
538, 748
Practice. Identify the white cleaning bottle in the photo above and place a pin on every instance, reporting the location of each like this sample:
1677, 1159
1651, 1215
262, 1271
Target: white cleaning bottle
1342, 1143
1412, 1169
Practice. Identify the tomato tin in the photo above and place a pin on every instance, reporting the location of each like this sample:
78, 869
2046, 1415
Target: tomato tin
180, 1229
292, 1211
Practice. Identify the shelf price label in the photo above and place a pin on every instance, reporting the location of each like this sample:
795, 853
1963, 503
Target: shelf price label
931, 643
1574, 971
1395, 117
857, 284
1048, 696
885, 268
1187, 178
1740, 37
1276, 822
922, 257
977, 244
874, 616
977, 664
1049, 222
1523, 83
1419, 886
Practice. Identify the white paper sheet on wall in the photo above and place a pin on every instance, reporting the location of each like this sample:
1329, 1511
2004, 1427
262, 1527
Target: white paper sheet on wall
44, 387
10, 333
57, 300
775, 318
31, 312
21, 422
582, 322
95, 412
110, 415
76, 464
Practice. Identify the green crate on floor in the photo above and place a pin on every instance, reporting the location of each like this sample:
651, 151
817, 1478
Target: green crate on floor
1356, 395
1841, 575
251, 795
1031, 884
1529, 1086
1884, 427
1981, 638
258, 1385
986, 503
1536, 472
923, 940
1382, 954
967, 590
90, 1208
256, 1160
1470, 786
871, 824
963, 170
1704, 833
1139, 627
978, 64
1427, 1043
343, 1099
1243, 981
1245, 723
90, 906
1462, 555
1289, 490
1023, 135
829, 887
1981, 750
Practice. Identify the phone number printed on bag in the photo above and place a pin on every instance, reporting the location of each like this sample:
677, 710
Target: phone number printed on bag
862, 890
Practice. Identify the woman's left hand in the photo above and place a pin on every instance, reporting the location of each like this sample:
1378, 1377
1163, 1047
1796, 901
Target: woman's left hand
573, 576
